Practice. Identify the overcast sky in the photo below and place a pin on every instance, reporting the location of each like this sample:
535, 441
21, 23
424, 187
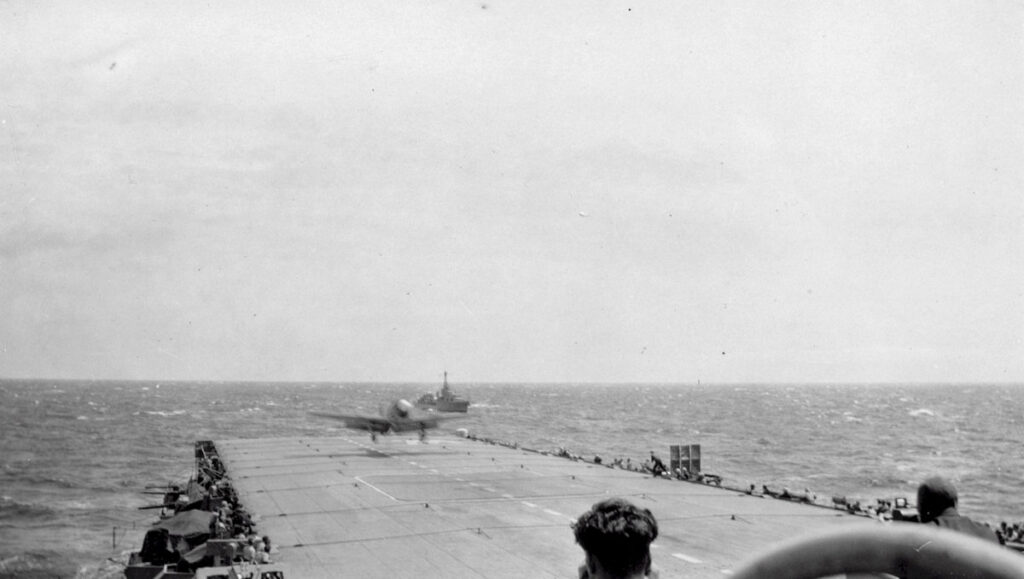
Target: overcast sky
512, 191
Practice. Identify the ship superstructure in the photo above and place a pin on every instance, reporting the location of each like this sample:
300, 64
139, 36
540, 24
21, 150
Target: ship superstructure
444, 400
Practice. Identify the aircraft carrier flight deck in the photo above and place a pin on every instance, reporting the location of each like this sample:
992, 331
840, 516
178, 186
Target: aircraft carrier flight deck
457, 507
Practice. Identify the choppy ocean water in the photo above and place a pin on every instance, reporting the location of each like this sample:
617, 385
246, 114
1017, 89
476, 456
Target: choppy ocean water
74, 455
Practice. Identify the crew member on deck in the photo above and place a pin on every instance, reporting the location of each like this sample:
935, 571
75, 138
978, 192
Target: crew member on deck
657, 467
936, 502
616, 538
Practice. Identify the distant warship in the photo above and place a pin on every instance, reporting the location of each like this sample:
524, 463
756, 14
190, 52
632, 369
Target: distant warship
444, 400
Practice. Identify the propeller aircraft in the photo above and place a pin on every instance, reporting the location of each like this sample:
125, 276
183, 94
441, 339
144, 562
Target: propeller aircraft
398, 416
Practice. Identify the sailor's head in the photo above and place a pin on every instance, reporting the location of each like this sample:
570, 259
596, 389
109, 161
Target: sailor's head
935, 495
616, 536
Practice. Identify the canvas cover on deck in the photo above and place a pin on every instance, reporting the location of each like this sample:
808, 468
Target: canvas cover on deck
187, 523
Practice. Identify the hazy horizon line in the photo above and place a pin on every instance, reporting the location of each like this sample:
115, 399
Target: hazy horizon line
503, 383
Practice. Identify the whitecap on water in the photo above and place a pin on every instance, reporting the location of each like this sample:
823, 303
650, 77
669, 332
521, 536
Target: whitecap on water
162, 413
921, 412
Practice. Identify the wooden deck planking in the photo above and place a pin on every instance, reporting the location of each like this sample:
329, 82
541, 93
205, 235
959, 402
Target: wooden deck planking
344, 506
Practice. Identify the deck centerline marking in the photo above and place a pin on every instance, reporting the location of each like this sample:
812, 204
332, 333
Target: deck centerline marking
376, 489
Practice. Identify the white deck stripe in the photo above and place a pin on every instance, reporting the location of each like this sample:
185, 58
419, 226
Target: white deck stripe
376, 489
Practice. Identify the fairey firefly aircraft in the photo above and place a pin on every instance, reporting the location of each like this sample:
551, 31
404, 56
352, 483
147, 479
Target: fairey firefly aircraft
399, 416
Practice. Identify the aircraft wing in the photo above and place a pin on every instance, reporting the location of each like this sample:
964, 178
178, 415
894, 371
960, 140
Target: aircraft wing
355, 422
420, 422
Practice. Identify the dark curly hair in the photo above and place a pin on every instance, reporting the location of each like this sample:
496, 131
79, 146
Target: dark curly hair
618, 534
